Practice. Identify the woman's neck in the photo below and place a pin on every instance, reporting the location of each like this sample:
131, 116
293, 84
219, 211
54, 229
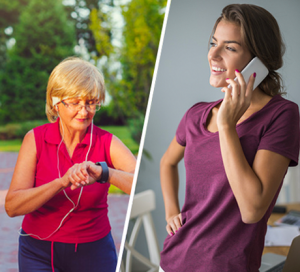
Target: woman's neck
71, 137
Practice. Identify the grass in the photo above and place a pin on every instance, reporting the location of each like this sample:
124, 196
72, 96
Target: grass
10, 145
121, 132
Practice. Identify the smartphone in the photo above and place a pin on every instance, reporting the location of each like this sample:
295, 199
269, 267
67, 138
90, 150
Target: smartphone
254, 66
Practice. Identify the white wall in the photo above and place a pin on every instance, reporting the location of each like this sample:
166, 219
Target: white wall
183, 80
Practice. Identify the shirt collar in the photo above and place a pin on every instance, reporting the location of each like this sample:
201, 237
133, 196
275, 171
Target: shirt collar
53, 134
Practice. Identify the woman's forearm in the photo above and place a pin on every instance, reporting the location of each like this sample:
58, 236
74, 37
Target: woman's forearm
24, 201
246, 186
254, 186
170, 184
122, 180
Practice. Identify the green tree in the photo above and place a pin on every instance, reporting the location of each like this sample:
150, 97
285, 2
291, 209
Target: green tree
43, 37
79, 11
9, 14
129, 86
143, 24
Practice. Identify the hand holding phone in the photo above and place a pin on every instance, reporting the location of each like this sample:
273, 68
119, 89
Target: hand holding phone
254, 66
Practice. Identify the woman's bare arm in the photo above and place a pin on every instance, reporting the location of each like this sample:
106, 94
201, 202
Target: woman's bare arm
22, 196
170, 184
254, 188
124, 163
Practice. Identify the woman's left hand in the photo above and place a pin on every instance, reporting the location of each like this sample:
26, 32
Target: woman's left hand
236, 101
83, 174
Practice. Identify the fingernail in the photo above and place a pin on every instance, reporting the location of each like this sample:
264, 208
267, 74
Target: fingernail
227, 78
237, 70
254, 75
176, 231
171, 234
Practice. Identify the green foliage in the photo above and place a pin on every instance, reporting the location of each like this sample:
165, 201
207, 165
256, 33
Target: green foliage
138, 55
43, 37
129, 86
9, 15
18, 130
79, 11
102, 32
106, 117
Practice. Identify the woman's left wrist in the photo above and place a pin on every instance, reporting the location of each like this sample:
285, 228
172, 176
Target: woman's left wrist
103, 178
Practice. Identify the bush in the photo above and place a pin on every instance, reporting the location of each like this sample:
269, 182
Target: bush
18, 131
8, 132
136, 127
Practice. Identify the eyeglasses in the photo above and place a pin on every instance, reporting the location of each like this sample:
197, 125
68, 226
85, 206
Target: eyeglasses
78, 107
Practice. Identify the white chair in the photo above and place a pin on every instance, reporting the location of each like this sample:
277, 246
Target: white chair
143, 204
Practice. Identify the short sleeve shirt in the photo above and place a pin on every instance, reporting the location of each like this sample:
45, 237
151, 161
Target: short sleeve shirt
213, 237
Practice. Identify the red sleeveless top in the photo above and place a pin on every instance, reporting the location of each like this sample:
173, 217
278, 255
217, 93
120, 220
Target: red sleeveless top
89, 221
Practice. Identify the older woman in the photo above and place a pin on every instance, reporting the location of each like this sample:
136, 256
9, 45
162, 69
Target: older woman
62, 176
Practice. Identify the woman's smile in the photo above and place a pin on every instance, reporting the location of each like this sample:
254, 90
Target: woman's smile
215, 70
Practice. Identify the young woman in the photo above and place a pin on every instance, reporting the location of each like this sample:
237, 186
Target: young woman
236, 152
62, 176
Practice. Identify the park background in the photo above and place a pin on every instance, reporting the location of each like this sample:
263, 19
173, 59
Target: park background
183, 80
120, 37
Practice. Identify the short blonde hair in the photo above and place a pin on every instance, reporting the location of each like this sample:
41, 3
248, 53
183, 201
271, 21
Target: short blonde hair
74, 77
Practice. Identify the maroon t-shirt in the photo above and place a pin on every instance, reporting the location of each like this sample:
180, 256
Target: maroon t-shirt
213, 237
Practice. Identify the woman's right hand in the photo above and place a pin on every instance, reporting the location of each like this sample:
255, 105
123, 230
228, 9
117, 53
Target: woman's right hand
174, 223
78, 175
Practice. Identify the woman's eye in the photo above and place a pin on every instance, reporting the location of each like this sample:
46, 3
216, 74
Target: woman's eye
231, 49
212, 44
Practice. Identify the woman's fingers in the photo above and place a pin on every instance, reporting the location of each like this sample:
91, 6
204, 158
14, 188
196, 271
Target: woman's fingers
174, 224
78, 175
250, 84
83, 174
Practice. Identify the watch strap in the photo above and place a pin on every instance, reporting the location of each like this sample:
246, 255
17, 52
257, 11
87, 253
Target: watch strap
105, 172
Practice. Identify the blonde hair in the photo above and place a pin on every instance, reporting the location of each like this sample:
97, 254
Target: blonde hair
73, 77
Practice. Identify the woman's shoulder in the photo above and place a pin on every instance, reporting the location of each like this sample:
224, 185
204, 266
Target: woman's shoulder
280, 102
280, 106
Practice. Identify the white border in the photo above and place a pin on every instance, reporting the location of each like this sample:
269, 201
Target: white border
143, 137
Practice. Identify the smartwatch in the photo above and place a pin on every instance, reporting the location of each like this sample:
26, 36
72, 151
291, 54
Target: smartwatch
104, 176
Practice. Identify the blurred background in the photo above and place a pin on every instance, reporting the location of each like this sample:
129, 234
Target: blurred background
183, 80
120, 37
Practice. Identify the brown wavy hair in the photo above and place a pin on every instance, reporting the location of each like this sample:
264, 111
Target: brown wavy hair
261, 34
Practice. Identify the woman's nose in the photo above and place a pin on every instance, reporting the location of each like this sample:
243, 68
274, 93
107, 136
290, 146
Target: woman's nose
215, 53
83, 109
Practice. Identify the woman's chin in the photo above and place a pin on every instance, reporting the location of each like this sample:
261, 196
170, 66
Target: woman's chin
217, 84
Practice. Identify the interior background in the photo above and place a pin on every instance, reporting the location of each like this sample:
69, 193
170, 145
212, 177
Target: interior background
183, 80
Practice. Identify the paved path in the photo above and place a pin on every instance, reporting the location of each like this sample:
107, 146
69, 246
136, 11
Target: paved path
9, 226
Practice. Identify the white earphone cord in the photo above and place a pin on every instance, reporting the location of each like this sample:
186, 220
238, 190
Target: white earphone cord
74, 206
